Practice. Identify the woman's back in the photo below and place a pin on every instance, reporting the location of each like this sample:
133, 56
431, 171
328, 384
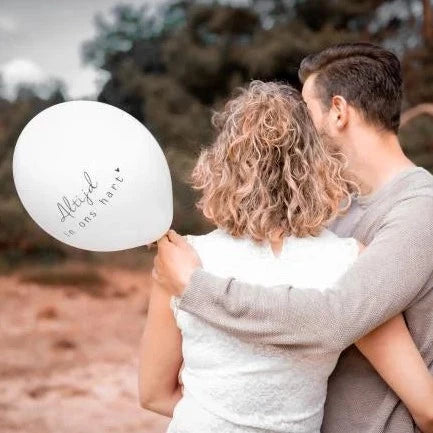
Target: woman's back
234, 386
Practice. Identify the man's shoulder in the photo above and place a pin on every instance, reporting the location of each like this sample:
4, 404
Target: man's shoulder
418, 184
411, 194
411, 206
407, 202
414, 195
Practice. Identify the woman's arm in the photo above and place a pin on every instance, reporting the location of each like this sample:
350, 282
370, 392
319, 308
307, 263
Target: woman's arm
160, 356
393, 353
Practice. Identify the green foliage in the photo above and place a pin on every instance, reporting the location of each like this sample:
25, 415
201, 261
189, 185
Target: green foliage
173, 77
117, 36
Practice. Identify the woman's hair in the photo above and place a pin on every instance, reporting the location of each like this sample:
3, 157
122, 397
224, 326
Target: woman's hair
268, 169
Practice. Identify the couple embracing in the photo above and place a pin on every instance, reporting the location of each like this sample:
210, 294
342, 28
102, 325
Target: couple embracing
310, 307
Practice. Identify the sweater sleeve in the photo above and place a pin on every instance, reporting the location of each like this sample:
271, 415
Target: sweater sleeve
383, 282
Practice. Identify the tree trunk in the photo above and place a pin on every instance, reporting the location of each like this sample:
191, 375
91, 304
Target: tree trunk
427, 29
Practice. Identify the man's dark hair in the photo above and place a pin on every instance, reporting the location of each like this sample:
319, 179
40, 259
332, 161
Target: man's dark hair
366, 75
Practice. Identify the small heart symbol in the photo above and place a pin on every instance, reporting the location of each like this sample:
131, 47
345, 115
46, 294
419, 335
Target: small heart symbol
117, 169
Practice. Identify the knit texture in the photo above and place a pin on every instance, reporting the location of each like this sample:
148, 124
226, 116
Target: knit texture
394, 274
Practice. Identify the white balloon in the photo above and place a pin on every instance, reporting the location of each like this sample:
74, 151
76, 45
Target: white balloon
93, 177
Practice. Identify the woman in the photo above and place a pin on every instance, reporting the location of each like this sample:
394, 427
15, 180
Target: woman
271, 187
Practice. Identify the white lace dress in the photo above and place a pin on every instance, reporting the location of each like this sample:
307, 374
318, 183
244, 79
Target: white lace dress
233, 386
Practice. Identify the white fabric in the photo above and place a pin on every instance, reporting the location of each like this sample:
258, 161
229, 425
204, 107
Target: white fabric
231, 386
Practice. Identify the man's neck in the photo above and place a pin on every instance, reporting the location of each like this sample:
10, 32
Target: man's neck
375, 158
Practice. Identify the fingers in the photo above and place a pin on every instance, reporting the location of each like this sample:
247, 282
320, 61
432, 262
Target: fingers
154, 274
161, 239
165, 244
156, 261
157, 267
175, 238
171, 236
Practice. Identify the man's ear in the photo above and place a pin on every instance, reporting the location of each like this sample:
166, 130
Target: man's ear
339, 112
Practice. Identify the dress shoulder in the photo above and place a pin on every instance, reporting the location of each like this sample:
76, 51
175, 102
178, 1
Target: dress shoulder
212, 241
341, 252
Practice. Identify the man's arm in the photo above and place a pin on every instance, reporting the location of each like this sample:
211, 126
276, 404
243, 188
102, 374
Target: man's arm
384, 280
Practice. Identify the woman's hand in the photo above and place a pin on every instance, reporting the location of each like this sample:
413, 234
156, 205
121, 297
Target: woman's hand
175, 263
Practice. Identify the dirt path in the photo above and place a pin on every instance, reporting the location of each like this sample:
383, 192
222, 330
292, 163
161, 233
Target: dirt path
68, 361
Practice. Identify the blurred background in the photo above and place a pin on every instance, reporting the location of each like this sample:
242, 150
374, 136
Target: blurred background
70, 320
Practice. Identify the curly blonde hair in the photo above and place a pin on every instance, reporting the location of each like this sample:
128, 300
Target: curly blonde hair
268, 169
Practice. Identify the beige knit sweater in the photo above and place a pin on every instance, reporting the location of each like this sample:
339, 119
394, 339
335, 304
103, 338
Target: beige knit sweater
394, 274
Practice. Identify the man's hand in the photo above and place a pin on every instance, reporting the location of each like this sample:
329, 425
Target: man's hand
175, 262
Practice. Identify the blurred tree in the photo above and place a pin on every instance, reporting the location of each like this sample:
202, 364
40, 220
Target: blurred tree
116, 37
183, 61
20, 237
418, 62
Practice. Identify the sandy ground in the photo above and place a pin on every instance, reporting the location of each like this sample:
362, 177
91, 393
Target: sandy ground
68, 360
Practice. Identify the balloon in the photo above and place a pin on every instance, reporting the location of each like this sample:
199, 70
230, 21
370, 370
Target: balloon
93, 177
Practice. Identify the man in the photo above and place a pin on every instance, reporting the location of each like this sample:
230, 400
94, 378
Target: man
354, 94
